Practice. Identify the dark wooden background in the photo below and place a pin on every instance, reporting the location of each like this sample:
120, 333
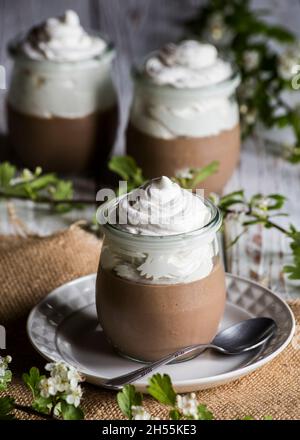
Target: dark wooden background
135, 26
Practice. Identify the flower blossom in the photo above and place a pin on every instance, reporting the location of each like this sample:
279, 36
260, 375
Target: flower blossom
63, 378
139, 413
251, 59
188, 405
4, 361
289, 62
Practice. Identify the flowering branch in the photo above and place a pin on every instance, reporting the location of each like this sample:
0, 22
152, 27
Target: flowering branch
258, 209
181, 407
235, 28
54, 397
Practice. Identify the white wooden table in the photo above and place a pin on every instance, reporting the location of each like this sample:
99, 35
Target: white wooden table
136, 27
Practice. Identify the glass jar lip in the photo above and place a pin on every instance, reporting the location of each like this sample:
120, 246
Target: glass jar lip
232, 81
14, 52
213, 225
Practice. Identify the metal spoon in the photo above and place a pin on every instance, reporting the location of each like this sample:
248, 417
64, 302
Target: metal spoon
239, 338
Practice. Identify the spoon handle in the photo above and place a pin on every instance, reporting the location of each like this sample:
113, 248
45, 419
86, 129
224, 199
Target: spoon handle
125, 379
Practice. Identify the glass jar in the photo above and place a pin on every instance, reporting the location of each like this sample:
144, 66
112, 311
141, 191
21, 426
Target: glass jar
156, 294
62, 116
173, 129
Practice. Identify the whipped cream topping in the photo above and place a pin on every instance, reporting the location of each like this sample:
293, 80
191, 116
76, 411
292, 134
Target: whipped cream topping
62, 39
161, 207
194, 117
189, 64
186, 108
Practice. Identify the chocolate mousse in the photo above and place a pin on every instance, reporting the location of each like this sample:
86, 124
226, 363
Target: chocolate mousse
65, 145
160, 283
62, 111
148, 321
184, 113
181, 153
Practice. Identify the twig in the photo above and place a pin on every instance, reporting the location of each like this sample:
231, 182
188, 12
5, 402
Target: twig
32, 412
49, 201
262, 219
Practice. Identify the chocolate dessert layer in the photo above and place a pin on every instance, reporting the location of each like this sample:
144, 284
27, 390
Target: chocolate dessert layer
159, 157
148, 321
66, 145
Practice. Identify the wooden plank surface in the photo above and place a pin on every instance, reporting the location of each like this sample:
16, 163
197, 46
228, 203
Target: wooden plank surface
137, 27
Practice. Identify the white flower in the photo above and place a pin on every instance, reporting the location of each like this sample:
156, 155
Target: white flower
63, 379
45, 387
247, 88
139, 413
184, 173
74, 377
188, 405
250, 117
288, 62
217, 27
251, 59
243, 109
61, 384
74, 397
4, 361
58, 369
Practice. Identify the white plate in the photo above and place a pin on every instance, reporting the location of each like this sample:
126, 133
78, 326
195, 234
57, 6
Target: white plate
64, 327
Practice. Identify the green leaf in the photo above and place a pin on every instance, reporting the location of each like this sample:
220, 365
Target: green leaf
174, 414
293, 270
70, 412
32, 380
248, 418
7, 173
127, 398
63, 190
267, 418
277, 199
42, 404
231, 199
32, 187
279, 33
126, 167
160, 387
204, 413
6, 408
128, 170
201, 174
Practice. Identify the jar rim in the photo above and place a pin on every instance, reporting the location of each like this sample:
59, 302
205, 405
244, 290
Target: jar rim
213, 225
14, 52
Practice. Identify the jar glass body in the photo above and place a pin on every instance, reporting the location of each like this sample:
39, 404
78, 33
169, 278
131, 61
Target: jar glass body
62, 115
172, 129
155, 295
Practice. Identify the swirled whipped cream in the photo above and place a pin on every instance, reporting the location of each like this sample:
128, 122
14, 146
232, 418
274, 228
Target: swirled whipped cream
159, 208
189, 64
61, 39
188, 110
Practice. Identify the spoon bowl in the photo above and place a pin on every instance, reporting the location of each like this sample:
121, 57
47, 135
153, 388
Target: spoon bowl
244, 336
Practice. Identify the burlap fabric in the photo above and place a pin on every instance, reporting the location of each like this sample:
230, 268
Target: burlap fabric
31, 267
